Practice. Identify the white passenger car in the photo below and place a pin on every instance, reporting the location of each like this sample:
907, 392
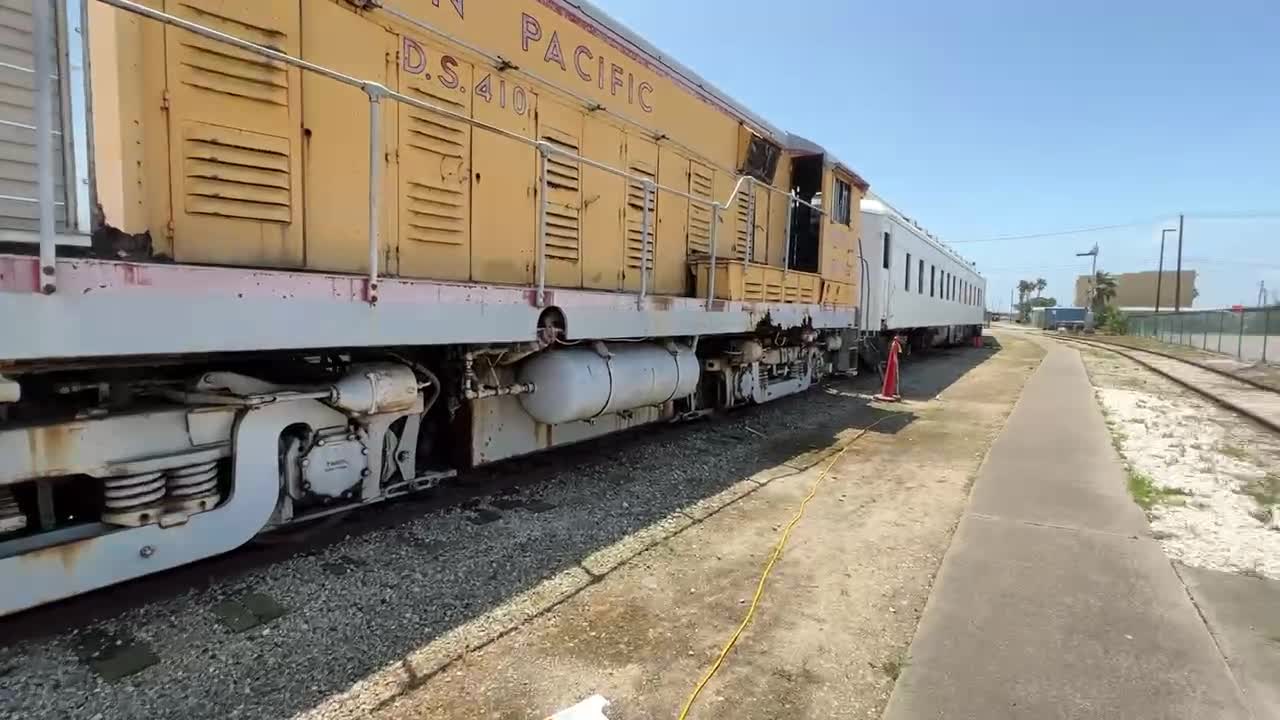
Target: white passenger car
916, 286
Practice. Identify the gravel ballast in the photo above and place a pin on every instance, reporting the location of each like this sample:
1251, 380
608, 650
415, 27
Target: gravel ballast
620, 569
1215, 476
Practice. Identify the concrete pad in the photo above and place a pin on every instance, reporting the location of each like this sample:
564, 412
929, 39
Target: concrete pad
1244, 615
1035, 622
1057, 465
1051, 601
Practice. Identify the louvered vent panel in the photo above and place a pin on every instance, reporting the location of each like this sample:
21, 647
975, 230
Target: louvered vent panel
790, 289
564, 190
635, 215
701, 184
435, 214
434, 132
435, 210
773, 290
809, 290
19, 191
742, 240
220, 68
236, 173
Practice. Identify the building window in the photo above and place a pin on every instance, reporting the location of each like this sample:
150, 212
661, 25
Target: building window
920, 278
843, 210
908, 276
933, 280
888, 245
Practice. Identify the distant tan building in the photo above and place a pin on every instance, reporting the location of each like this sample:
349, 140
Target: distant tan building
1139, 289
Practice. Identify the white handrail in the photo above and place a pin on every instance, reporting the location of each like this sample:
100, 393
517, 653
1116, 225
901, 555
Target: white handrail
375, 189
502, 64
376, 91
644, 240
42, 16
544, 152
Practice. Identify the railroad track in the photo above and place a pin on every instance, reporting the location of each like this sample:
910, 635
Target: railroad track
471, 491
1252, 399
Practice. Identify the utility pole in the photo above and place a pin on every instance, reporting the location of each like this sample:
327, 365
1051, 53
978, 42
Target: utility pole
1160, 271
1177, 280
1093, 274
1262, 293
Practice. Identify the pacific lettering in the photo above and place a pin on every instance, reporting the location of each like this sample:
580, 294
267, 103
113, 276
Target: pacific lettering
578, 53
530, 30
554, 53
607, 75
457, 6
615, 78
645, 89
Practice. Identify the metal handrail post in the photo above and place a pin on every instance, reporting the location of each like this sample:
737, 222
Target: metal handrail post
1266, 332
375, 93
544, 151
786, 242
1240, 338
43, 26
645, 224
711, 272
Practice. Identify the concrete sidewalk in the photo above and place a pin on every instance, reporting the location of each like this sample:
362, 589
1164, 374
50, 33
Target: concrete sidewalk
1052, 601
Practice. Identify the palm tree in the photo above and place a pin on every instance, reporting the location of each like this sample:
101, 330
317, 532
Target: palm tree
1040, 285
1024, 290
1104, 290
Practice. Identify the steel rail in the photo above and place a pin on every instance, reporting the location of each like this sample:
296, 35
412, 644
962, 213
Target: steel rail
1219, 371
1262, 420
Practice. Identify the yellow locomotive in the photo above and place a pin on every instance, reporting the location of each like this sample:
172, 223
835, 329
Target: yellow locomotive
299, 256
231, 158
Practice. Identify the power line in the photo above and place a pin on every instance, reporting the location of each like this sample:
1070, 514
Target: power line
1243, 215
1029, 268
1240, 263
1059, 233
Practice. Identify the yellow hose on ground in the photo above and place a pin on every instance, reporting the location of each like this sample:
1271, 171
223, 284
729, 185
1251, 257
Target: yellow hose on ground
768, 568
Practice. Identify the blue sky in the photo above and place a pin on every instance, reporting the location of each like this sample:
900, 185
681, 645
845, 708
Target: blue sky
989, 118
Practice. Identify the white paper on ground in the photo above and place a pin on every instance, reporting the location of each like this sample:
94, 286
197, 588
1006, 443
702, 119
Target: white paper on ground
590, 709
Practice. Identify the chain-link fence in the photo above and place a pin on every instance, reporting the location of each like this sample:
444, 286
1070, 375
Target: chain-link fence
1250, 334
